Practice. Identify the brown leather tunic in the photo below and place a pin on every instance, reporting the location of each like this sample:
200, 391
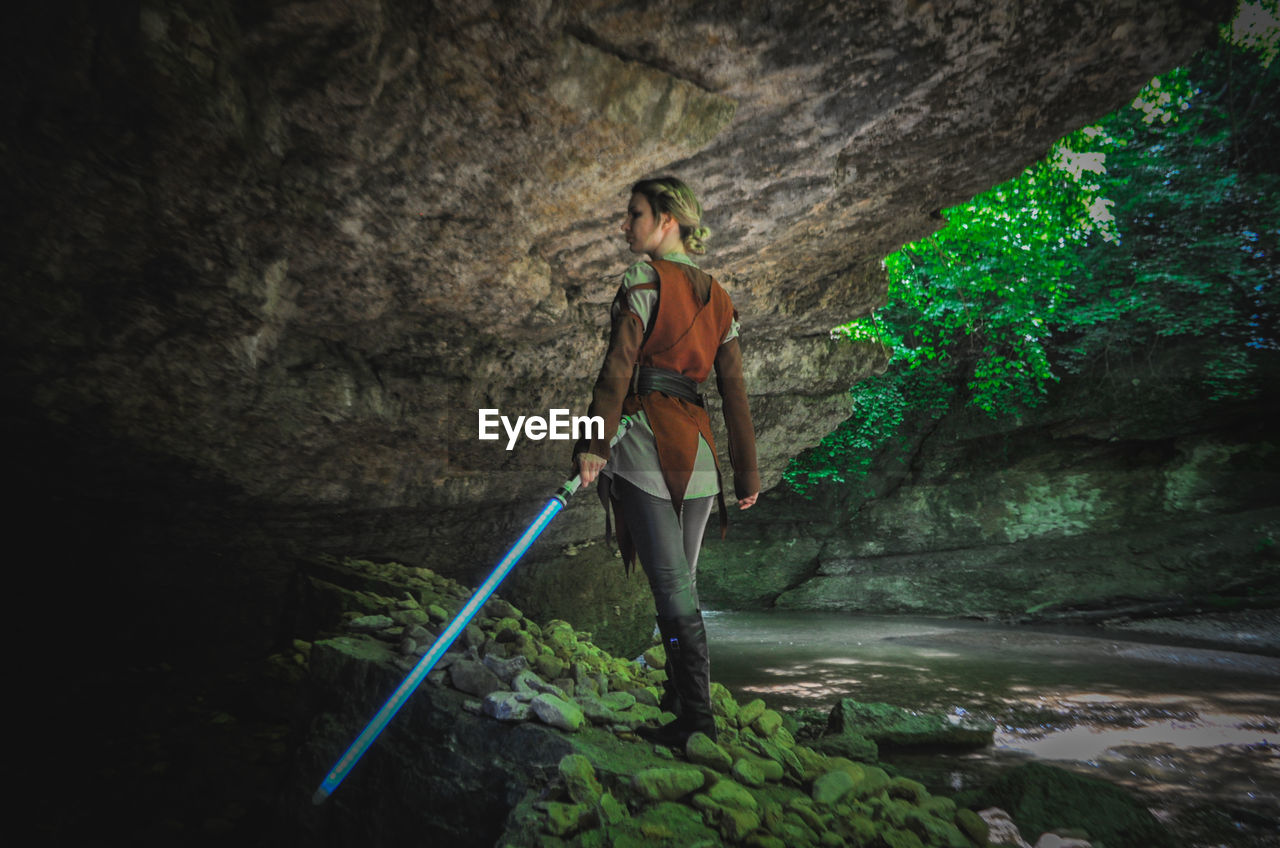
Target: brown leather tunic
694, 314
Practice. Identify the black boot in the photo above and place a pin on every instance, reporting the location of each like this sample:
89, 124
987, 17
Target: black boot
689, 670
670, 702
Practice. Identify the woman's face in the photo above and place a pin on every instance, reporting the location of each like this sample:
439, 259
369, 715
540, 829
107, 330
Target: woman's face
644, 230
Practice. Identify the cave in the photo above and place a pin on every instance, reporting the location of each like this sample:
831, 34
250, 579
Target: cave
265, 263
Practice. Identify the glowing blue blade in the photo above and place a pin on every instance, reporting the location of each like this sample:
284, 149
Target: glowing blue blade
407, 686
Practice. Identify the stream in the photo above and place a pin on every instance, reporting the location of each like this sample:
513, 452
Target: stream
1193, 729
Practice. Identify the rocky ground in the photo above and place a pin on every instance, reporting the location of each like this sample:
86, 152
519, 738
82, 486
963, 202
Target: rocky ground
545, 720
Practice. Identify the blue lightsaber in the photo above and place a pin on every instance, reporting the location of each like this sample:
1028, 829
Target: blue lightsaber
443, 642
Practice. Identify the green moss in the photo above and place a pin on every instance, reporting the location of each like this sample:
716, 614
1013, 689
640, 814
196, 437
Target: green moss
1043, 798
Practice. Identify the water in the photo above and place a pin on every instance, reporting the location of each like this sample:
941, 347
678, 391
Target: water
1193, 730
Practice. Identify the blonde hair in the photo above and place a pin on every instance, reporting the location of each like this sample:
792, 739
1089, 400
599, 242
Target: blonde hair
672, 196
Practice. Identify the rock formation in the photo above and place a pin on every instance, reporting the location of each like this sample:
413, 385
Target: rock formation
1128, 492
264, 263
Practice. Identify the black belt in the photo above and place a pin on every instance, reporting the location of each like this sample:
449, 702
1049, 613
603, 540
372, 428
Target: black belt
669, 383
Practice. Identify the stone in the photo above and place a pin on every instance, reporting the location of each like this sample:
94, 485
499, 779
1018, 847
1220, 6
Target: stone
750, 711
848, 744
832, 787
667, 784
973, 825
369, 623
580, 779
473, 678
750, 772
549, 666
504, 706
560, 637
526, 682
723, 703
566, 819
612, 811
598, 713
767, 724
506, 669
1053, 840
894, 727
1001, 829
908, 790
557, 712
701, 750
728, 793
655, 657
618, 700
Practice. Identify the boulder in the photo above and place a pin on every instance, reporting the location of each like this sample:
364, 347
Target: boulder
894, 727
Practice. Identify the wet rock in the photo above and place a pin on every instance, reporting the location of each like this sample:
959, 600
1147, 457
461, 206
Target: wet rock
895, 727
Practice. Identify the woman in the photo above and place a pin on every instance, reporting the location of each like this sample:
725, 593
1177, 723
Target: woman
671, 324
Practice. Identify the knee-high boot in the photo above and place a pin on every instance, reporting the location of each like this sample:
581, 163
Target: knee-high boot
689, 672
670, 702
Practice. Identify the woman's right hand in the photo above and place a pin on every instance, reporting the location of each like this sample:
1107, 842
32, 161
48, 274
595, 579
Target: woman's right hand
748, 502
589, 466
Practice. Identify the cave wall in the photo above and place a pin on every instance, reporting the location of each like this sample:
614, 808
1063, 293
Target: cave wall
263, 262
1128, 492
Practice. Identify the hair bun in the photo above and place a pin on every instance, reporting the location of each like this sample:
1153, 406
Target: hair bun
696, 241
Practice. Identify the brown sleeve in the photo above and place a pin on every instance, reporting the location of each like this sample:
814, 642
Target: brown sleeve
614, 381
737, 419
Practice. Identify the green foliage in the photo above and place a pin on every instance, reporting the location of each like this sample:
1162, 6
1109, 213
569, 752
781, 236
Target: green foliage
1159, 222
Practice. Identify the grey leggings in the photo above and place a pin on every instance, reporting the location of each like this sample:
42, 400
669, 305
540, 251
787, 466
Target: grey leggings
668, 546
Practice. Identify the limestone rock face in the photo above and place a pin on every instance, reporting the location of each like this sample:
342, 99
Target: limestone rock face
1126, 492
275, 258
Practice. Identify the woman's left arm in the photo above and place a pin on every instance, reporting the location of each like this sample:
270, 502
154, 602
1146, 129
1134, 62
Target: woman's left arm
737, 419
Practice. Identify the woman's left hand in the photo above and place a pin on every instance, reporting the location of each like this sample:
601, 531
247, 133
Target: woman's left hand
748, 502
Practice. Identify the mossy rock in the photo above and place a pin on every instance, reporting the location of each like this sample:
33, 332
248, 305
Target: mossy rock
1041, 798
851, 745
894, 727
